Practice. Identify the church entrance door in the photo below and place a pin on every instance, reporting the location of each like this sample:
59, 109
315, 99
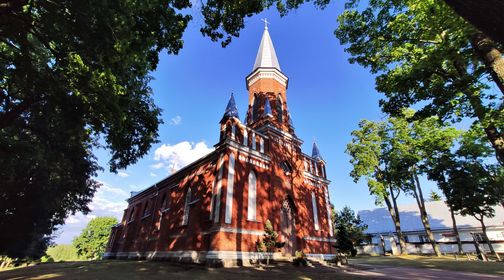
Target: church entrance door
288, 233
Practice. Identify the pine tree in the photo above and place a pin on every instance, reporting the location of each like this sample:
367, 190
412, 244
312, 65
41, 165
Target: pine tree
269, 240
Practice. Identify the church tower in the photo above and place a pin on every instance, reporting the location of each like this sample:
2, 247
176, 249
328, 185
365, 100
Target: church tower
267, 87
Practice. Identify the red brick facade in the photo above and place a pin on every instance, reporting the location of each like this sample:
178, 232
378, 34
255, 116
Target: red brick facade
203, 212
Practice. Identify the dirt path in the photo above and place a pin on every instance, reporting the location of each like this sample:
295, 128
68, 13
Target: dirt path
410, 273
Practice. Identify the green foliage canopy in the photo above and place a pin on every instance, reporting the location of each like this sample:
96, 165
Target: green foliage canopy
92, 242
472, 184
422, 54
72, 73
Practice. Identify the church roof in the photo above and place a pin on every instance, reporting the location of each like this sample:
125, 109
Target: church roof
378, 219
315, 152
266, 55
231, 109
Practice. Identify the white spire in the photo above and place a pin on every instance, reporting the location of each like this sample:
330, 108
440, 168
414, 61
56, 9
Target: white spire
266, 56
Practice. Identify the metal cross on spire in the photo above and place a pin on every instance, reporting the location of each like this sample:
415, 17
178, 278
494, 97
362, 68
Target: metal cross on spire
266, 22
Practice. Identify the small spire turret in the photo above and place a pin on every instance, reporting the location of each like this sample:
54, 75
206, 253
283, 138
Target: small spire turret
231, 109
316, 153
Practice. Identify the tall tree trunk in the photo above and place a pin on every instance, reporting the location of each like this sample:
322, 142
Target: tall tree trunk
485, 15
495, 137
394, 214
423, 213
487, 240
455, 230
491, 56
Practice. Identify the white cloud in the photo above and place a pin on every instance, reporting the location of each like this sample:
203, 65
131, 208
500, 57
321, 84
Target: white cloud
174, 157
106, 188
176, 120
122, 174
158, 165
72, 220
152, 174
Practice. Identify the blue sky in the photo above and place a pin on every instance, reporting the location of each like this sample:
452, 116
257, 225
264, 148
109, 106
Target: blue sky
327, 97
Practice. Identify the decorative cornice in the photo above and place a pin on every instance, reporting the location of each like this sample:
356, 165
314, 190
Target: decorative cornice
321, 239
246, 149
267, 73
280, 133
233, 230
315, 178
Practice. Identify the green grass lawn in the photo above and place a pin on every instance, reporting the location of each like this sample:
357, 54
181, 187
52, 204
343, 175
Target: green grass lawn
445, 262
132, 270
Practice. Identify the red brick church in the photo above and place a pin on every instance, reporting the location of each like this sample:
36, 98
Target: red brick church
214, 209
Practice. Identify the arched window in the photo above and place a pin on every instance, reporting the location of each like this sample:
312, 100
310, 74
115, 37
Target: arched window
132, 215
230, 189
255, 107
286, 167
279, 109
252, 190
315, 211
216, 197
146, 211
185, 218
165, 202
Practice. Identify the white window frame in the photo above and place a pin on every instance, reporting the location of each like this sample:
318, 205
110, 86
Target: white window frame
315, 212
229, 190
252, 196
185, 218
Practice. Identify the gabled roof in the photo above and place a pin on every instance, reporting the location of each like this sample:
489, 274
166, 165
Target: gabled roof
379, 221
266, 55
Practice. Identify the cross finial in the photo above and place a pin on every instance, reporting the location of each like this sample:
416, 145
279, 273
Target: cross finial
266, 22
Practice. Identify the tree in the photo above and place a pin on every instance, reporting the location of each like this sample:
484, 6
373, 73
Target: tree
62, 252
425, 55
406, 150
414, 144
369, 150
434, 196
485, 15
91, 243
349, 231
269, 241
471, 184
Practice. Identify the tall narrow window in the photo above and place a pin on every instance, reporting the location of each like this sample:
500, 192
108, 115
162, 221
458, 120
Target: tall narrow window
185, 219
229, 189
233, 132
328, 208
261, 145
132, 215
146, 211
252, 190
245, 137
216, 198
279, 109
253, 141
315, 211
255, 107
165, 202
